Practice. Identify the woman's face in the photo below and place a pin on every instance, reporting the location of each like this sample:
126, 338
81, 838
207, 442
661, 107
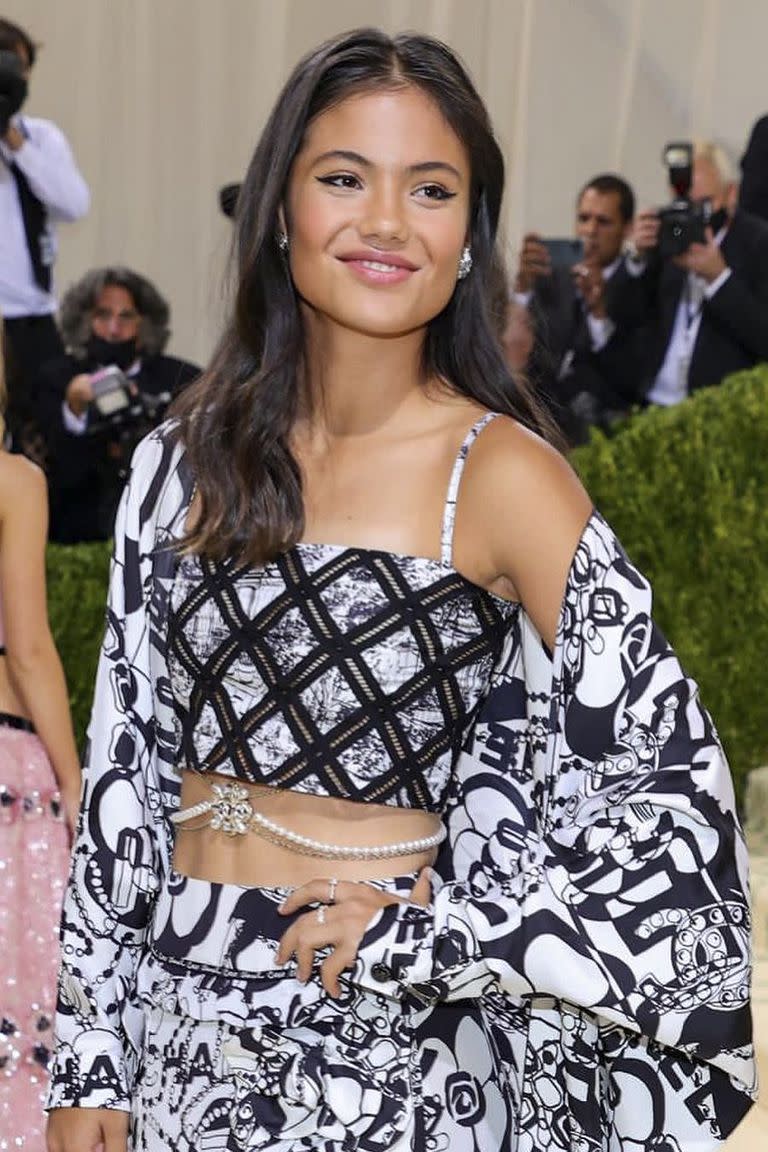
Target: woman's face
377, 212
114, 315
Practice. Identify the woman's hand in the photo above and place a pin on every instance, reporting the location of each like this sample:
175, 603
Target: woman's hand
87, 1129
345, 910
70, 799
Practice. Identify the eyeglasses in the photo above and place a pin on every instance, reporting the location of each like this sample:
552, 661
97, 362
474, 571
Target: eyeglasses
104, 314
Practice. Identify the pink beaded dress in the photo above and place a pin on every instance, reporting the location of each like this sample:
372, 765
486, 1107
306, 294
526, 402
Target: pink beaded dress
34, 861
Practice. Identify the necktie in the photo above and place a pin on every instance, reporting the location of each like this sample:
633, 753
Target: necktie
35, 218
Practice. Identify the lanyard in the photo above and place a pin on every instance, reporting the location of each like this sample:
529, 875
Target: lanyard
693, 299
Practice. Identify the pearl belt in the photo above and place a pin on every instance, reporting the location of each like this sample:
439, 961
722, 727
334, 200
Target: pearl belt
231, 811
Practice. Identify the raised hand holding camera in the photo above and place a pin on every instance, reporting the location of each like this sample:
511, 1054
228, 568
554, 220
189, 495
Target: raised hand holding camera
109, 390
645, 234
705, 260
79, 394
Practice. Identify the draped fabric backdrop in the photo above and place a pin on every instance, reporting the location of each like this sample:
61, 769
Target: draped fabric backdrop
162, 101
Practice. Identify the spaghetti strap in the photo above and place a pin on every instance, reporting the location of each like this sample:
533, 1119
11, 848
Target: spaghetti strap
449, 515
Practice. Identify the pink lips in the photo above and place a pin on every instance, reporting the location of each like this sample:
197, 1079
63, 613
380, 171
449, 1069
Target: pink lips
379, 267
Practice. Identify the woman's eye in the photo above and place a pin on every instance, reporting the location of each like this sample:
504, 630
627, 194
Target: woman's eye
340, 180
435, 192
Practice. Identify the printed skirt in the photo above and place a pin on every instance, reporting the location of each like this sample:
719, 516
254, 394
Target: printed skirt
238, 1055
34, 863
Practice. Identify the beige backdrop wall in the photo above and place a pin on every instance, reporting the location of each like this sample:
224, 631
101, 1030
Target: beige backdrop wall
163, 100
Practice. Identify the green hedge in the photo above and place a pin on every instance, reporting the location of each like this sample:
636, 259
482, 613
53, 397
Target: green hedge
686, 489
77, 592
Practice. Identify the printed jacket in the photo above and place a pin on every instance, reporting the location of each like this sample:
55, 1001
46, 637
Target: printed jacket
594, 894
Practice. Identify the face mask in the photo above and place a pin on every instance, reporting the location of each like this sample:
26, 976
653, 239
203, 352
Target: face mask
121, 353
718, 220
13, 88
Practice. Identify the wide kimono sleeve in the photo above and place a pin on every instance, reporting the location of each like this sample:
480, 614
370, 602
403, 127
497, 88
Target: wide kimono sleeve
121, 847
615, 878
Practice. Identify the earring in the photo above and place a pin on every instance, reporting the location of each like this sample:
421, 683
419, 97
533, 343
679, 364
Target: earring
282, 242
465, 264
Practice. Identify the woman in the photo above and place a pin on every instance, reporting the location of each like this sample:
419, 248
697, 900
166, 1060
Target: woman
39, 799
111, 318
335, 631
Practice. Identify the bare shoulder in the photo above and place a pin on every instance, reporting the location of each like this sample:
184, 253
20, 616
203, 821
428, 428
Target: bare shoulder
512, 466
527, 510
22, 484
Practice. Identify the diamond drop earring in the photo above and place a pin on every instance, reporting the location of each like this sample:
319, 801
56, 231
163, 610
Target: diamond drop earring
465, 264
282, 242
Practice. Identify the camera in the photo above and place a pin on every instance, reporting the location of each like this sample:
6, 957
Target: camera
119, 408
682, 222
13, 88
111, 392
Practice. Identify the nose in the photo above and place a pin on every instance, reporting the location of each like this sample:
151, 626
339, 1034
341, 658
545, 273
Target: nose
384, 220
114, 327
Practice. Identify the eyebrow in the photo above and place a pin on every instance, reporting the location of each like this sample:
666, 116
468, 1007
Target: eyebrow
601, 219
414, 169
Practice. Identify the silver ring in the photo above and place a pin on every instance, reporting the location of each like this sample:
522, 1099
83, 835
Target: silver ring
321, 914
332, 885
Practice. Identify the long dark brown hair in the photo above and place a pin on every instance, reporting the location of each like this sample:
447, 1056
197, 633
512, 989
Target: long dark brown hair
236, 421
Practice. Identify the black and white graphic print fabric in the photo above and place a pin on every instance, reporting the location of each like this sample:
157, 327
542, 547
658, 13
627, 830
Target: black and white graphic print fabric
596, 904
238, 1055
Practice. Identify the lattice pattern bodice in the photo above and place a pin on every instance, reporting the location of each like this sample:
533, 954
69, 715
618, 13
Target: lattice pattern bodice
339, 671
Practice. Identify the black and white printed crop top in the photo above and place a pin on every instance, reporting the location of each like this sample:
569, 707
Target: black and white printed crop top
344, 672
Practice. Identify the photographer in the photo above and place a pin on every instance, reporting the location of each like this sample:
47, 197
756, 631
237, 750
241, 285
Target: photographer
584, 359
39, 185
698, 275
96, 401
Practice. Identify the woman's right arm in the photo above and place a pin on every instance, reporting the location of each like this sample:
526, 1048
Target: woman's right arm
117, 858
33, 662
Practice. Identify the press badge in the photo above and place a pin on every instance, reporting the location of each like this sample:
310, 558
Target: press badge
47, 249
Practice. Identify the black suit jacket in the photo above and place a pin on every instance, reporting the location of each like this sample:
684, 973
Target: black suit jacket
564, 366
85, 472
733, 333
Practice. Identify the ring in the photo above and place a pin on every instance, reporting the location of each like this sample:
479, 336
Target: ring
332, 883
321, 914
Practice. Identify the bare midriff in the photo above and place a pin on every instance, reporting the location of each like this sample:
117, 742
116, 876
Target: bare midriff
253, 861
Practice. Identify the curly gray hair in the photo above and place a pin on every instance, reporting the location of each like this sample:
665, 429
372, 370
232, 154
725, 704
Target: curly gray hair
79, 301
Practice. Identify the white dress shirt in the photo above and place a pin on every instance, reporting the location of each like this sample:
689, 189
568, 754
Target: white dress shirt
46, 160
671, 383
